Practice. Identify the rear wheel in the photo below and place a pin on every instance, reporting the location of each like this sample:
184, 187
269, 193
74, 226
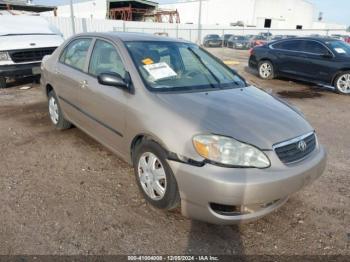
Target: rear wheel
342, 83
266, 70
56, 114
2, 82
154, 176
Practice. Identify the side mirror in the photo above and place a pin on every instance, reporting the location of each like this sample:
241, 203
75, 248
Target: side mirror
112, 79
327, 55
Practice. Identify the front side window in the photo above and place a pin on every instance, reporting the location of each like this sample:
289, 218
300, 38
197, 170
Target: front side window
314, 47
340, 48
105, 59
75, 53
169, 66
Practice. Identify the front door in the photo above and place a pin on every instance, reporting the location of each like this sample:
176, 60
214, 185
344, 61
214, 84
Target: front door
320, 61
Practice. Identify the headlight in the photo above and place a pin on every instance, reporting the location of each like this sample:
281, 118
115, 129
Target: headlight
4, 56
230, 152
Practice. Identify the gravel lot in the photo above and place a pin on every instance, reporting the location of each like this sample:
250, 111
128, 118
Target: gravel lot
64, 193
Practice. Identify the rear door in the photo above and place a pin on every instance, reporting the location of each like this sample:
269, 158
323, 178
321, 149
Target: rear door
104, 106
69, 76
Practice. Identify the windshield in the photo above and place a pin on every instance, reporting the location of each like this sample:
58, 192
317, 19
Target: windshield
175, 66
340, 47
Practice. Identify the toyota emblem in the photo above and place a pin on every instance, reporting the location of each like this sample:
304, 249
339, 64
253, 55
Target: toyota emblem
302, 146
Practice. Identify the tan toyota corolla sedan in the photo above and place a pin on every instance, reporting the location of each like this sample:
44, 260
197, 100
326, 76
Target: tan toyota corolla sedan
195, 132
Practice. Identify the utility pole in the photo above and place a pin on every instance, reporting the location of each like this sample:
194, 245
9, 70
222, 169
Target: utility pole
200, 22
72, 16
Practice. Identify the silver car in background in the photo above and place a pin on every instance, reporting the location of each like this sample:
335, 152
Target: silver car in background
195, 132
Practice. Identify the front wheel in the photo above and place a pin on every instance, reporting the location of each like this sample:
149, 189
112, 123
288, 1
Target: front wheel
342, 83
266, 70
154, 176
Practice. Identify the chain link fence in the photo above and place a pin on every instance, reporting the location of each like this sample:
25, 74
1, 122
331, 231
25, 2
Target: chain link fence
188, 32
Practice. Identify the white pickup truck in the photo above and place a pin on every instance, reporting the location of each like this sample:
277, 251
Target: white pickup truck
24, 41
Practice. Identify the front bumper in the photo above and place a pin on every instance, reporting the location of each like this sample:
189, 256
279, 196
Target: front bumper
19, 70
260, 190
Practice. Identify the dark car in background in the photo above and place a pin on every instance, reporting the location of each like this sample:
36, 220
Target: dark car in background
225, 39
323, 61
212, 41
238, 42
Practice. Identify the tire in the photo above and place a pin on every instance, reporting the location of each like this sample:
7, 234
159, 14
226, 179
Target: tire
2, 82
342, 83
56, 114
148, 155
266, 70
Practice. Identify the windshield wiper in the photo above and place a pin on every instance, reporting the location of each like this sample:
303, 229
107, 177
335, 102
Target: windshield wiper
206, 67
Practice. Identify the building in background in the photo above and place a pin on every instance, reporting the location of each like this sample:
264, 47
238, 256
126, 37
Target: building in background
274, 14
22, 7
126, 10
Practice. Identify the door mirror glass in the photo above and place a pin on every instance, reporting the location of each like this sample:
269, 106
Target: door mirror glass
112, 79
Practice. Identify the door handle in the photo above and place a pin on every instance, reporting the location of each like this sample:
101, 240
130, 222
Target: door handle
57, 72
84, 84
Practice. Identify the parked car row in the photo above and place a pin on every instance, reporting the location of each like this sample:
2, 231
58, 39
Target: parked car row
250, 41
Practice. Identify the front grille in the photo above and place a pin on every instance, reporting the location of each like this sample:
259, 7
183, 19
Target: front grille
289, 152
31, 55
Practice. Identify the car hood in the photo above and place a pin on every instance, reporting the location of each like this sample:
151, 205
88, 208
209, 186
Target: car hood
25, 24
19, 42
247, 114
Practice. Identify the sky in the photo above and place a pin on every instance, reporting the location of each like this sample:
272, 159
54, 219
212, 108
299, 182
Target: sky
337, 11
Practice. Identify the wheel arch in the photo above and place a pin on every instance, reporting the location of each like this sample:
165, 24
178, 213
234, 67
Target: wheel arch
340, 71
266, 59
48, 89
141, 137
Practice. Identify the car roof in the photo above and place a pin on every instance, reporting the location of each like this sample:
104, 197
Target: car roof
320, 39
126, 36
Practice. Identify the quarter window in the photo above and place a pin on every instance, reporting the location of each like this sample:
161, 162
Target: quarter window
75, 53
105, 59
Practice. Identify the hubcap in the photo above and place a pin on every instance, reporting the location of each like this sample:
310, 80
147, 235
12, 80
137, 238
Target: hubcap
343, 84
152, 176
53, 110
265, 70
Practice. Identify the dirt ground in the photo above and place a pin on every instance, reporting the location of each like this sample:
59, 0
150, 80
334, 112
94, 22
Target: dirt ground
64, 193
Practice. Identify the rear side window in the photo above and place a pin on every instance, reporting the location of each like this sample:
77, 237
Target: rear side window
105, 59
292, 45
314, 47
75, 53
